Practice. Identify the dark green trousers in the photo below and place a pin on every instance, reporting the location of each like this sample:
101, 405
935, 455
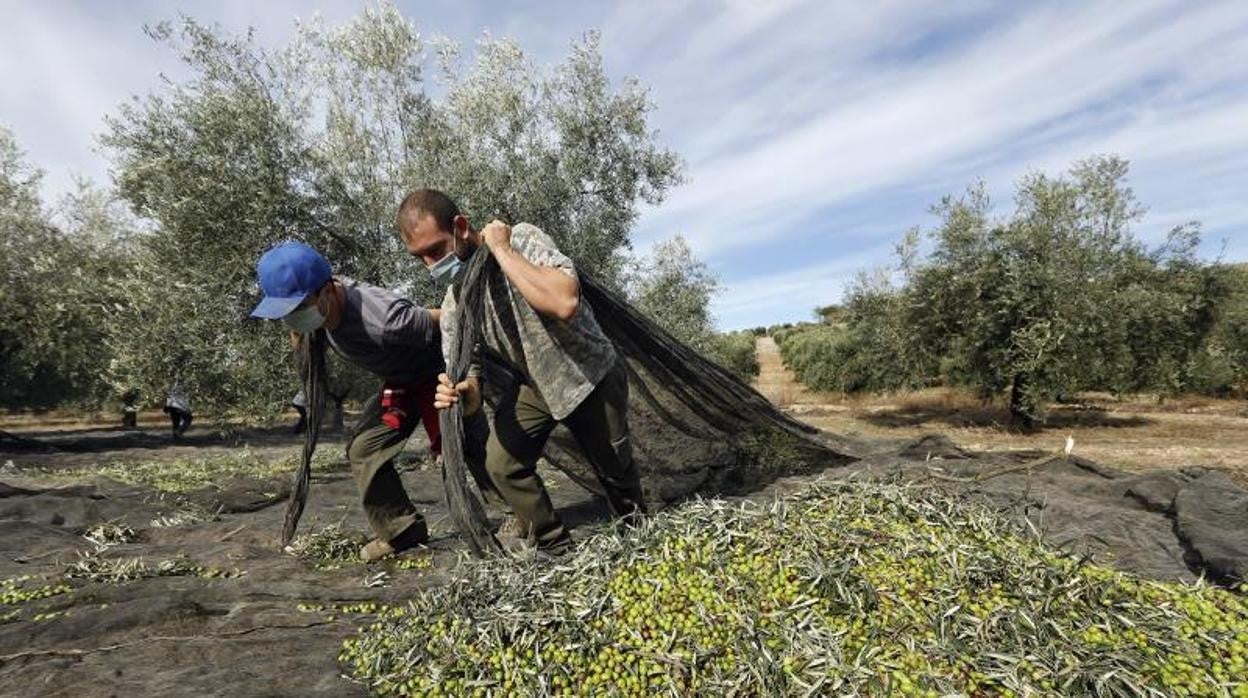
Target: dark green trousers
371, 452
522, 424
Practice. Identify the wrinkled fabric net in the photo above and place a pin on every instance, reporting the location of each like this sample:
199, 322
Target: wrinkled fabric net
695, 427
310, 358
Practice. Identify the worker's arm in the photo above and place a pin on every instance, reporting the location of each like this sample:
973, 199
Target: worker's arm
552, 291
436, 314
408, 324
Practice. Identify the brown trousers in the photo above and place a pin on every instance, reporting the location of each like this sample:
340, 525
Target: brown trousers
522, 424
371, 452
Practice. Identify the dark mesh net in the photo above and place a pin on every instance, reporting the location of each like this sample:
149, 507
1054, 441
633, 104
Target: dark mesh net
310, 356
696, 428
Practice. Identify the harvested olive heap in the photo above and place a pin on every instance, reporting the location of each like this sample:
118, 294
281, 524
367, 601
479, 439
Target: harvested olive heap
845, 588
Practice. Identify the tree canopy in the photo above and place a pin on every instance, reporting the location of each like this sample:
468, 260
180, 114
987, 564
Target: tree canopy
1055, 297
319, 141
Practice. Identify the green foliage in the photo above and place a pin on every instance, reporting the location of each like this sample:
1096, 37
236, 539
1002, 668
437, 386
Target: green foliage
1054, 298
319, 141
830, 314
811, 352
843, 589
1060, 296
735, 352
60, 271
1221, 366
847, 358
675, 288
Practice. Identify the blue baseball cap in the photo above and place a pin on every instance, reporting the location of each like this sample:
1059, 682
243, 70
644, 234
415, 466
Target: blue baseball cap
287, 274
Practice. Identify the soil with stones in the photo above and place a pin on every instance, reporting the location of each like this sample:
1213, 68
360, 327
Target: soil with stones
229, 613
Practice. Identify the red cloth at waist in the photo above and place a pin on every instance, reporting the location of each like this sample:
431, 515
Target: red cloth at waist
401, 403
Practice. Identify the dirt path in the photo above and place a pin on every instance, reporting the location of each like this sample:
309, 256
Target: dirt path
774, 381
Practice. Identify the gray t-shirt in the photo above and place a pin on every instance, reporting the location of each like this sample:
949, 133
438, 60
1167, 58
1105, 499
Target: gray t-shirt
386, 334
562, 361
177, 398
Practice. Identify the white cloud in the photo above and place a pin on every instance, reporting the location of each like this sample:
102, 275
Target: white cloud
792, 295
915, 121
854, 115
61, 74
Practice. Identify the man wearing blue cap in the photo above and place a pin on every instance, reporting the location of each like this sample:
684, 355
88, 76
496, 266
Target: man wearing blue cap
389, 336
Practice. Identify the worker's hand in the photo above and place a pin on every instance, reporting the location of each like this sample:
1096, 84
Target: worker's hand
496, 236
468, 390
436, 315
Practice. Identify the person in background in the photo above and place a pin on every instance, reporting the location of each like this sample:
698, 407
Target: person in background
130, 409
178, 407
300, 403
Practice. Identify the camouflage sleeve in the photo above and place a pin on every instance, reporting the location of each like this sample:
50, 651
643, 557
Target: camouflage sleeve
539, 248
450, 330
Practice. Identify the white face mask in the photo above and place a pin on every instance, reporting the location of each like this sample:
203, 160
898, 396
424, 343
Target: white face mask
306, 321
446, 270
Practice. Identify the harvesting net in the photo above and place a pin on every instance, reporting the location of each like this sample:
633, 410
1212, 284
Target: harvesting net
310, 356
695, 427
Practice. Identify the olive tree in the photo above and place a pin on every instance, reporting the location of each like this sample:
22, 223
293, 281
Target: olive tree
24, 229
60, 269
1222, 365
675, 288
1059, 296
319, 141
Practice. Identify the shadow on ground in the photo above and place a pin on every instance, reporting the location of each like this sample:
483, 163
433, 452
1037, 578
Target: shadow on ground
998, 417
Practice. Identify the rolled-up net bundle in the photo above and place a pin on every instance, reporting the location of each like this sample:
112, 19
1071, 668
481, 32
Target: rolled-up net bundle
310, 356
695, 427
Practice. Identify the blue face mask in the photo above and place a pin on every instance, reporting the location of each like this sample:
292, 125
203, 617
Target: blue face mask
306, 320
446, 270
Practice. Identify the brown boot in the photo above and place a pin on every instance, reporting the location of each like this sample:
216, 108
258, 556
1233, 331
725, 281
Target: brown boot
514, 535
376, 549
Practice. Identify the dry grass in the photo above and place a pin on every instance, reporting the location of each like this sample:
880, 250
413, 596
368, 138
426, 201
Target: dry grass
1133, 435
1139, 433
58, 420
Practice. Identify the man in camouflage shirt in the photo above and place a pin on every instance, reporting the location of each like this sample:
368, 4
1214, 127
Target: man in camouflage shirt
535, 321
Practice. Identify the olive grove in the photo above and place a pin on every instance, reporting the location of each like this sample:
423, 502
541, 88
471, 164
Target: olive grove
319, 140
1058, 296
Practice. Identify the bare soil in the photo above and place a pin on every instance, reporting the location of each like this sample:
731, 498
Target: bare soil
1136, 435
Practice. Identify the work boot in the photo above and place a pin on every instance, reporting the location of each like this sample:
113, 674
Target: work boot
513, 526
551, 552
513, 535
412, 536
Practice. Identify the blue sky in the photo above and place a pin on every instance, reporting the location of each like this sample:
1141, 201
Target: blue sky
815, 132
